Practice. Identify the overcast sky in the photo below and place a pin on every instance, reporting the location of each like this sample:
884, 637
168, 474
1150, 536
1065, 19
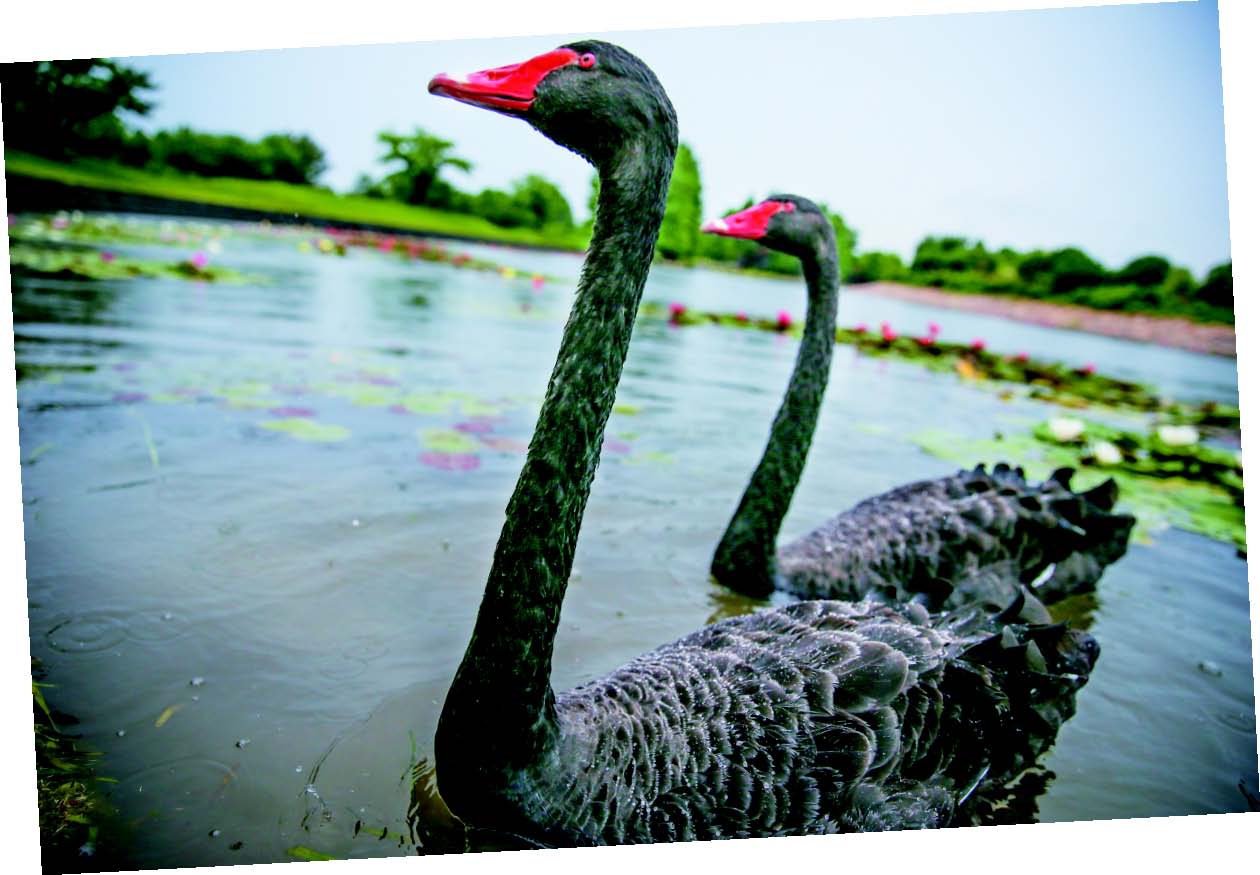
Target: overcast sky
1098, 127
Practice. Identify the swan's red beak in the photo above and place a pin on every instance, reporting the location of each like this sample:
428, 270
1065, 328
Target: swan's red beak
507, 89
749, 224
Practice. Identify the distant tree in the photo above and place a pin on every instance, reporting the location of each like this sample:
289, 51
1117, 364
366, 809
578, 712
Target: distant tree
593, 198
1218, 289
846, 241
292, 158
954, 254
422, 156
542, 202
500, 208
61, 108
1063, 270
872, 267
533, 202
1149, 270
1073, 269
680, 230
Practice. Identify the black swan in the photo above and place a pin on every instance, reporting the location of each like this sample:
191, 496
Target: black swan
817, 717
973, 536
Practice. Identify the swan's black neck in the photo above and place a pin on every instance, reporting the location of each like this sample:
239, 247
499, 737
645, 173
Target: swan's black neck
499, 719
745, 557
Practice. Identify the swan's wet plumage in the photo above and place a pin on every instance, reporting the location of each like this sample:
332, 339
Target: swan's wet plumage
972, 536
818, 717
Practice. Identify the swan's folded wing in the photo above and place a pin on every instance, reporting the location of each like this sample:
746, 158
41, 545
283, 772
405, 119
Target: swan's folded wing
972, 537
817, 717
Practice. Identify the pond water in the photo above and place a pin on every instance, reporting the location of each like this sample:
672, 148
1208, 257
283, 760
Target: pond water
259, 517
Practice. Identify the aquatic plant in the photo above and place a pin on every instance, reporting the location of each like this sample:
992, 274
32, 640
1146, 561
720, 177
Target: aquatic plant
1054, 382
79, 263
1189, 485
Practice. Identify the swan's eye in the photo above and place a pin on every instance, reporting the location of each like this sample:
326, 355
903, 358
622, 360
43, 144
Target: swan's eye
586, 61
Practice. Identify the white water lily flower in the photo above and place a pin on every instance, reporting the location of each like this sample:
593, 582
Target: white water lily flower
1065, 428
1106, 453
1178, 435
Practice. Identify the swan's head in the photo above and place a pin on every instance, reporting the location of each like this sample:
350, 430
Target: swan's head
589, 96
782, 221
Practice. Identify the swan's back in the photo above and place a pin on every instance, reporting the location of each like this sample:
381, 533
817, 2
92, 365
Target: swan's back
814, 718
972, 537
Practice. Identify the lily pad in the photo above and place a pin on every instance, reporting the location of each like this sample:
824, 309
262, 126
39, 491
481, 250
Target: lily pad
307, 430
1158, 500
443, 440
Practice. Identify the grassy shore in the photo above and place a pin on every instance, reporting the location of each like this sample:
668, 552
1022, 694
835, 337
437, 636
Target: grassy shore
306, 201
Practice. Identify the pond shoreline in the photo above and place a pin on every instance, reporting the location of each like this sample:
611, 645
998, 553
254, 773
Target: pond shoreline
33, 194
36, 195
1145, 328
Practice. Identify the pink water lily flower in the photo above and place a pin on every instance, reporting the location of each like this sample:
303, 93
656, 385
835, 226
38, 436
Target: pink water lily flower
978, 345
933, 329
676, 311
451, 461
1089, 368
1021, 357
741, 316
537, 281
886, 331
107, 257
784, 321
198, 260
860, 328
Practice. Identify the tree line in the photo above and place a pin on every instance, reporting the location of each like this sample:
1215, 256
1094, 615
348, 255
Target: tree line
65, 109
1149, 283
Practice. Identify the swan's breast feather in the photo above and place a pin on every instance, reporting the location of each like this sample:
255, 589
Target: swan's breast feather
760, 725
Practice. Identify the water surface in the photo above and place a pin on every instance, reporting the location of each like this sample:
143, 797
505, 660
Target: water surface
259, 517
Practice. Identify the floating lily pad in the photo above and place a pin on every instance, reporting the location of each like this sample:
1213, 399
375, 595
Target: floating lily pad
477, 408
1158, 499
371, 397
426, 402
306, 430
447, 441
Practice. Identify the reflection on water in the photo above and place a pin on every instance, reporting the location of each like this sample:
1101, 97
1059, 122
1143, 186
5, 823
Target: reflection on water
259, 518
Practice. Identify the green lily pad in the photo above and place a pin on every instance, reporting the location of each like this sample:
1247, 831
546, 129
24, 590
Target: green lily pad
307, 430
444, 440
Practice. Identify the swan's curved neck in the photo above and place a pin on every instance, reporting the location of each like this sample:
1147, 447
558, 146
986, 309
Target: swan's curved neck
745, 557
499, 717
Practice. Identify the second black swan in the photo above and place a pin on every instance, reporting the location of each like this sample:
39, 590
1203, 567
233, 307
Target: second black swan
973, 536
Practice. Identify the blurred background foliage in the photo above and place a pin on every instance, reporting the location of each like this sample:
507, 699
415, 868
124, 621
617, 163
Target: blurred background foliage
68, 110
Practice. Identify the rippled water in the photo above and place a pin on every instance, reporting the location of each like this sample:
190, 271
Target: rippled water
257, 628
